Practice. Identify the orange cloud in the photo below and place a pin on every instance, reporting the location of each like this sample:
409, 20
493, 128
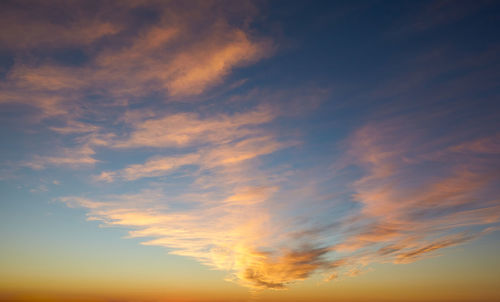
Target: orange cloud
402, 209
184, 53
239, 221
417, 253
156, 166
250, 195
486, 145
185, 129
222, 236
224, 228
28, 28
72, 157
219, 142
194, 72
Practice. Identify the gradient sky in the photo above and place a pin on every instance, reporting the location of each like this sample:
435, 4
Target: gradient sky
249, 151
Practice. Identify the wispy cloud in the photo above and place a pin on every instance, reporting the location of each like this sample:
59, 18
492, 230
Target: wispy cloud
183, 53
207, 158
24, 25
187, 129
71, 157
412, 193
406, 214
234, 235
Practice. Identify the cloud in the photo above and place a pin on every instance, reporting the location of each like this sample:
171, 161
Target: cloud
417, 194
225, 236
249, 195
219, 142
411, 201
225, 155
417, 187
488, 145
185, 51
187, 129
418, 253
72, 126
291, 266
80, 154
246, 149
228, 224
193, 72
25, 26
72, 157
151, 168
242, 204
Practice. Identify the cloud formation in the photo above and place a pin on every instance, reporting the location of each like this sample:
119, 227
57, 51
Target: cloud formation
187, 129
236, 224
181, 52
419, 192
228, 179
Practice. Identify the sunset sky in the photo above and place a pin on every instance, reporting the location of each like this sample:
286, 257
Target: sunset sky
216, 151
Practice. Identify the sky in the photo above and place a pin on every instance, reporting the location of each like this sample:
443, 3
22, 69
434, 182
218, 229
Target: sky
249, 151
